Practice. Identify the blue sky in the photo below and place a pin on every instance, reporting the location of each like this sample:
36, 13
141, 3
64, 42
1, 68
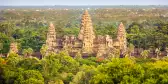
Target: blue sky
83, 2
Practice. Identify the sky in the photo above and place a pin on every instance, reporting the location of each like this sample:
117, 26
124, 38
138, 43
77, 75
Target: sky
81, 2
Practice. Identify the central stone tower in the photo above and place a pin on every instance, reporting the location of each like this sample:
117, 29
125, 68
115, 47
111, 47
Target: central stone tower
51, 39
86, 34
87, 43
121, 37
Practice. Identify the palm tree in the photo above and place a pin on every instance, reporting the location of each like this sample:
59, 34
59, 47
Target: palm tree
130, 49
78, 56
30, 51
167, 51
145, 53
1, 47
157, 51
27, 52
43, 50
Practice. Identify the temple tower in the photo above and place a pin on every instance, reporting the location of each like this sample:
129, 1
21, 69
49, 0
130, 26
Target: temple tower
51, 39
121, 37
86, 33
101, 50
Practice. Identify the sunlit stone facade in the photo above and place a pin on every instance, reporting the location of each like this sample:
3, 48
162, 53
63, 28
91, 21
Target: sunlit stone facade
87, 43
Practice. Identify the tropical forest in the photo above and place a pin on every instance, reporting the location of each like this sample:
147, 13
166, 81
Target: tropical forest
84, 45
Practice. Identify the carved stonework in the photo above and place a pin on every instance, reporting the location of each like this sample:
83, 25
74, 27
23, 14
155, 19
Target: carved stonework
51, 39
101, 50
86, 43
86, 33
86, 26
121, 37
109, 41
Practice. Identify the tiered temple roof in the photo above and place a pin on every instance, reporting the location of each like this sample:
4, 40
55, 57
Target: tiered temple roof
51, 39
121, 37
86, 33
87, 43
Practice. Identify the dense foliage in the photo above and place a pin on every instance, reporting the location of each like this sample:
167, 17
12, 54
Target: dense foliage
146, 29
63, 69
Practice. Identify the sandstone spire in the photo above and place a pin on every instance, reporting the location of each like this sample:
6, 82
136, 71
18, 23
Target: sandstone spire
86, 25
101, 50
51, 39
121, 37
86, 33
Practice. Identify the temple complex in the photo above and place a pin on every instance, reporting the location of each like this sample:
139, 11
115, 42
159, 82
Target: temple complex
87, 43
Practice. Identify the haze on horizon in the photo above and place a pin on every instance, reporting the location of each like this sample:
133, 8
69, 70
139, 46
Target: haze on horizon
80, 2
